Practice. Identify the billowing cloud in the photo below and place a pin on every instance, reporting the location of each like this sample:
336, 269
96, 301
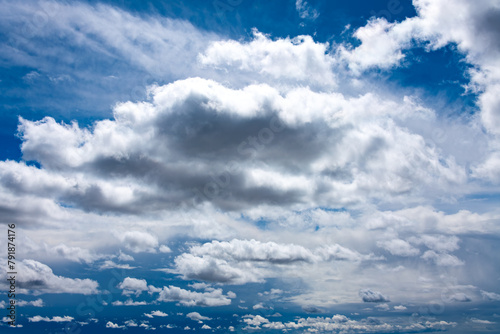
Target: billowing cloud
135, 286
242, 261
138, 241
193, 298
39, 278
370, 296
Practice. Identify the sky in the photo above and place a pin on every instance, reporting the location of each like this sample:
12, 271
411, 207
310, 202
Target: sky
244, 166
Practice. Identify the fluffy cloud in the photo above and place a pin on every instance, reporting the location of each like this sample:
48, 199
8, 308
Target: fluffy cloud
299, 60
138, 241
39, 278
369, 296
110, 324
193, 298
197, 317
156, 314
131, 285
242, 261
383, 43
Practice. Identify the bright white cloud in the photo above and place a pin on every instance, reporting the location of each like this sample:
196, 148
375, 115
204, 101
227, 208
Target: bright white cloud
39, 278
193, 298
38, 318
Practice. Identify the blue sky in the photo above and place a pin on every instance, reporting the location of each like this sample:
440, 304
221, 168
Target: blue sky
251, 166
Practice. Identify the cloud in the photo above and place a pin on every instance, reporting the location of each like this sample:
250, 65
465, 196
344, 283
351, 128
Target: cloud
36, 303
164, 249
138, 241
38, 318
197, 317
193, 298
383, 43
296, 60
398, 247
131, 285
442, 259
438, 243
108, 264
305, 11
492, 296
128, 302
242, 261
370, 296
110, 324
156, 314
39, 278
75, 254
460, 297
341, 323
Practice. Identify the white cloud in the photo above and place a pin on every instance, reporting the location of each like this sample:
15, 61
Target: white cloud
131, 285
197, 317
36, 303
299, 59
156, 314
399, 247
438, 243
138, 241
128, 302
164, 249
442, 259
108, 264
110, 324
38, 318
193, 298
383, 43
39, 278
340, 323
305, 11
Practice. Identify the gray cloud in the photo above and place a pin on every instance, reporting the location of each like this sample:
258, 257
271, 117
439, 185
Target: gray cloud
370, 296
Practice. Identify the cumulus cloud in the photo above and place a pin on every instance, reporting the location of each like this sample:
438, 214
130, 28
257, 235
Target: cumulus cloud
242, 261
39, 278
370, 296
110, 324
138, 241
197, 317
156, 314
299, 59
131, 285
36, 303
383, 43
193, 298
38, 318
